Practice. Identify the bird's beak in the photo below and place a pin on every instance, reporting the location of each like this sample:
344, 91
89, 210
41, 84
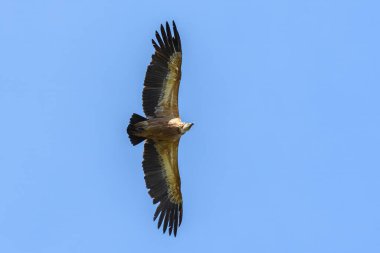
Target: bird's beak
188, 126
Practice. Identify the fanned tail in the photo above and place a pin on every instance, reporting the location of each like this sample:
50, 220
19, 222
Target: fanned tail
131, 129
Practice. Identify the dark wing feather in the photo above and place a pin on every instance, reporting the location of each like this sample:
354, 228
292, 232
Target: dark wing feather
161, 85
162, 178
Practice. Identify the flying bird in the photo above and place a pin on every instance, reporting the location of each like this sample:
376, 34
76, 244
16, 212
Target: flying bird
162, 129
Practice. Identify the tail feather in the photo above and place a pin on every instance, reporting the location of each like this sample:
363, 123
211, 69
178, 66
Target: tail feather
131, 128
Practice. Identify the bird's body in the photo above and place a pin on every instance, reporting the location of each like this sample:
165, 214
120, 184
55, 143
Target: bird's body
162, 129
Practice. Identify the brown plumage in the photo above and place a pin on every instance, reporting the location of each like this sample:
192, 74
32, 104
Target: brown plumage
162, 128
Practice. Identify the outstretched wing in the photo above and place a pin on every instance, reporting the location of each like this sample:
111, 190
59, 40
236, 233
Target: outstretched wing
161, 85
160, 166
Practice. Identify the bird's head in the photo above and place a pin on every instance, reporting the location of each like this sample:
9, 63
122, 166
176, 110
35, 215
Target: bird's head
186, 127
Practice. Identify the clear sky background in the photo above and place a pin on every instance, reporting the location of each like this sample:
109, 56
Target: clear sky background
284, 155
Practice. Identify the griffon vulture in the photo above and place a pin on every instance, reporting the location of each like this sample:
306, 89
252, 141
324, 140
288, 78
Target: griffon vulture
162, 128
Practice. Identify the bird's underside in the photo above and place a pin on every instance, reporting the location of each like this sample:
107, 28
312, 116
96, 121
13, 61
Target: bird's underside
162, 129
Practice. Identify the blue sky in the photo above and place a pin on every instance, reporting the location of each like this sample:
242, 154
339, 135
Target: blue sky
284, 155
